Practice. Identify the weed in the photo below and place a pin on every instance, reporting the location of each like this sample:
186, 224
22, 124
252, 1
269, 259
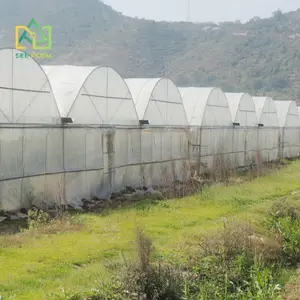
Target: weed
37, 218
145, 280
284, 222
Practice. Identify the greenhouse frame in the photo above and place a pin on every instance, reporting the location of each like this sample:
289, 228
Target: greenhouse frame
268, 130
289, 123
164, 139
209, 116
244, 119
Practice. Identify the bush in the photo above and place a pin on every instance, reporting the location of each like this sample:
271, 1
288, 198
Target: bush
231, 261
145, 280
284, 223
37, 217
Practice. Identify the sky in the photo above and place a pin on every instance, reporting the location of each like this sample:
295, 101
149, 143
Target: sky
200, 10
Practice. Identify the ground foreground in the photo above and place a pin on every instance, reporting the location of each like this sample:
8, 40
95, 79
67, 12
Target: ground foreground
75, 254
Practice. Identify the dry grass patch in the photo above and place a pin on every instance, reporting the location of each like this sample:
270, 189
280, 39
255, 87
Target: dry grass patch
237, 237
62, 224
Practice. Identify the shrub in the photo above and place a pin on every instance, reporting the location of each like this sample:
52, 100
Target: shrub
37, 217
145, 280
229, 263
284, 223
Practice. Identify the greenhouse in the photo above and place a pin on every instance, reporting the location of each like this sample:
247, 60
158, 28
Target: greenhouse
164, 141
268, 132
158, 101
207, 108
92, 95
25, 92
97, 96
245, 123
288, 118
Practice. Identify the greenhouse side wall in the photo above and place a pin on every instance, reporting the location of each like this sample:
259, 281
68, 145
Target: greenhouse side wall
269, 143
46, 165
51, 165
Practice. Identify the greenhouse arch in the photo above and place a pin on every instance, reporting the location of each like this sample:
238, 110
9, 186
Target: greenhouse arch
92, 95
242, 109
206, 106
266, 111
25, 91
158, 100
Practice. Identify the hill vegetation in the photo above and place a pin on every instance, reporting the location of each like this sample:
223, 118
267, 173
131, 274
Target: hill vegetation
259, 57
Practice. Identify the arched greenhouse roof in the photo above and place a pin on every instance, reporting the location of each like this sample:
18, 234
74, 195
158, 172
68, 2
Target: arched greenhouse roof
266, 111
158, 100
92, 95
25, 92
242, 109
288, 115
206, 106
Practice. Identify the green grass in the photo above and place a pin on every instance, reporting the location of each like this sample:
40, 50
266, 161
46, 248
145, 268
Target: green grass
35, 264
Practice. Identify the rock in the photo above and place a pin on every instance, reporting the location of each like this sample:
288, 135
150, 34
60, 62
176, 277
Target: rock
22, 216
2, 219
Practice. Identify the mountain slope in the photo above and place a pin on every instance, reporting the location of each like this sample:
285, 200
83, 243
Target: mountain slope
260, 57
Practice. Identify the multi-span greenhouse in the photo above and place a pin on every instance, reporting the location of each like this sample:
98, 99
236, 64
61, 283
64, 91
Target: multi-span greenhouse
70, 132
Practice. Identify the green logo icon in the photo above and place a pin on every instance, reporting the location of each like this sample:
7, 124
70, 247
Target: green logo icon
29, 34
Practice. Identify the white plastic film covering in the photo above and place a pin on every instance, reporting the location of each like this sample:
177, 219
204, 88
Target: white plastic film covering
66, 82
268, 135
266, 111
158, 100
215, 143
206, 106
287, 113
242, 109
289, 122
92, 95
25, 92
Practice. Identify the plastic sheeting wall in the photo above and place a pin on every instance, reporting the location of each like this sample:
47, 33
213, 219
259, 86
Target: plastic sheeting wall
51, 164
233, 144
55, 165
209, 115
289, 122
245, 134
268, 134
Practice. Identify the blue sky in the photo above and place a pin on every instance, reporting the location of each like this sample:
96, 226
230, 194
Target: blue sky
202, 11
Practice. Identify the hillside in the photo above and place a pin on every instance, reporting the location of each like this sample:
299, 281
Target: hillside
264, 61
